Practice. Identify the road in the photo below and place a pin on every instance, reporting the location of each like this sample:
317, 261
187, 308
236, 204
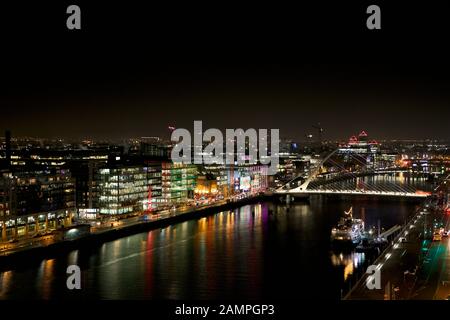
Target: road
434, 280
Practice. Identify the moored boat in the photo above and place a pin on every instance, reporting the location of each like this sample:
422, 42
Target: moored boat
348, 231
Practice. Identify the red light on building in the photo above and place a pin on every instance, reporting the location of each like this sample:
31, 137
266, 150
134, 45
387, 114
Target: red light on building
353, 140
363, 134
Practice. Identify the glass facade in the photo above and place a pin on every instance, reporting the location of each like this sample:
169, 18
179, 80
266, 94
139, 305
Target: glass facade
154, 196
122, 190
178, 182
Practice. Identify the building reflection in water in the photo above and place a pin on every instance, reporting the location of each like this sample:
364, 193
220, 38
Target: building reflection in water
5, 283
350, 261
250, 252
148, 263
45, 278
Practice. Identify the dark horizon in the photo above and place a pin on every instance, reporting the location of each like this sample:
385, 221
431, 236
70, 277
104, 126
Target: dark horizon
387, 108
141, 75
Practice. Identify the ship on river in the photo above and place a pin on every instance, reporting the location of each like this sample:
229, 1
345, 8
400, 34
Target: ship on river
348, 231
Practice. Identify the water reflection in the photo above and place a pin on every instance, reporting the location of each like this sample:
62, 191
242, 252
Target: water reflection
256, 251
351, 261
45, 278
5, 283
387, 182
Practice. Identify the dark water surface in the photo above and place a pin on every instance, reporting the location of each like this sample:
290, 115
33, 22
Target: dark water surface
253, 252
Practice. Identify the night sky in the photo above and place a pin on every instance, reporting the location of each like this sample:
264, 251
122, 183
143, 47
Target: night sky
131, 71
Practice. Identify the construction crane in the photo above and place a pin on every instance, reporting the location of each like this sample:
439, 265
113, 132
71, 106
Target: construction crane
319, 130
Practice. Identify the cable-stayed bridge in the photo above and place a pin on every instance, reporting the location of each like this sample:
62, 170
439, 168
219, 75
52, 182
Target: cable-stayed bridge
332, 176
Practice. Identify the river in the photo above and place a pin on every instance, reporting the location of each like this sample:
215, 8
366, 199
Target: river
255, 251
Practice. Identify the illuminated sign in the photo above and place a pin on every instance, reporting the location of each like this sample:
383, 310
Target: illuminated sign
244, 183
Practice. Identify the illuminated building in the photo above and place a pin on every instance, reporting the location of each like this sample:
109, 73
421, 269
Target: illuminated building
219, 173
154, 184
386, 160
367, 150
289, 163
428, 166
232, 180
35, 200
122, 190
178, 182
248, 179
86, 187
286, 169
120, 187
206, 185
